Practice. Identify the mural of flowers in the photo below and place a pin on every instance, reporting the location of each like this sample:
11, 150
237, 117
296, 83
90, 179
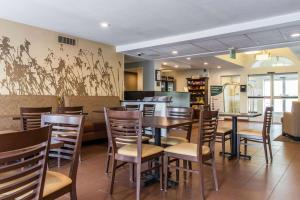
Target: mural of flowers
86, 73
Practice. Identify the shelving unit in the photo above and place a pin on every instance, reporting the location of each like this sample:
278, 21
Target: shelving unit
198, 88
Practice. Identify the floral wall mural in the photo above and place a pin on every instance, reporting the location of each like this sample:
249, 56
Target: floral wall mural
87, 73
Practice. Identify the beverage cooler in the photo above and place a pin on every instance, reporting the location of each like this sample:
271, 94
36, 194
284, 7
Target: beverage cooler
168, 84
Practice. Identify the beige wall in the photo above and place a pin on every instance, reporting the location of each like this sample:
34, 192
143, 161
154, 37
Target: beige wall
33, 62
131, 81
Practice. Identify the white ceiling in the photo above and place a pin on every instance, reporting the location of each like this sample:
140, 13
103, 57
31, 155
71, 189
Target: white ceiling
135, 21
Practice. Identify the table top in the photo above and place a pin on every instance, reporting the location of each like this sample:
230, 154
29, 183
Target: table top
166, 122
224, 114
55, 144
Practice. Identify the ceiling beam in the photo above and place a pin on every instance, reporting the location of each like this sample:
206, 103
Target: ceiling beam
276, 21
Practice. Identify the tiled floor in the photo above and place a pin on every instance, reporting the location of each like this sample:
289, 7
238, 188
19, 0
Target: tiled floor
238, 179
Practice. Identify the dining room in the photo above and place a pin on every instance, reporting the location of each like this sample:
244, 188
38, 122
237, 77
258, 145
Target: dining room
136, 100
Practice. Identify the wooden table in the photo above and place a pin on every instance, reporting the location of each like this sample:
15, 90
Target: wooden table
55, 144
158, 123
235, 117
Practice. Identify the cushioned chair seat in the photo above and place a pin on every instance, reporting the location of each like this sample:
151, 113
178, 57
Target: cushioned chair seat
54, 182
147, 150
223, 130
250, 133
131, 139
189, 149
170, 141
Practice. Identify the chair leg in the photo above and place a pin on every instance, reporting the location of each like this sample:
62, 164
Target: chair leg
265, 149
270, 148
246, 147
161, 172
238, 146
73, 193
107, 162
131, 172
177, 170
185, 167
138, 180
223, 146
166, 167
213, 166
112, 180
201, 180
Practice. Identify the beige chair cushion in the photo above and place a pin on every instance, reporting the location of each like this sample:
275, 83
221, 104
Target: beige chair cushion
54, 182
169, 141
189, 149
131, 139
250, 133
223, 130
147, 150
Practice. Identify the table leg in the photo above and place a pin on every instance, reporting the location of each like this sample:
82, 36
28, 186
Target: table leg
157, 137
234, 148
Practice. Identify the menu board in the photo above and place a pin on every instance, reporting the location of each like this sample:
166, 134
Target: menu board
216, 93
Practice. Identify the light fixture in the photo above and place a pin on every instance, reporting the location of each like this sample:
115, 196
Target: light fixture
294, 35
205, 63
174, 52
165, 63
263, 56
219, 67
176, 66
104, 24
188, 58
252, 52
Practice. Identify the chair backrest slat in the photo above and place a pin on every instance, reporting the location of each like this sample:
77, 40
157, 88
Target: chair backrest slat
23, 164
31, 117
72, 110
67, 129
133, 107
267, 121
122, 126
149, 110
208, 124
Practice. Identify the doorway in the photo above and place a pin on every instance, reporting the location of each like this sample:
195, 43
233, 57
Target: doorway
277, 90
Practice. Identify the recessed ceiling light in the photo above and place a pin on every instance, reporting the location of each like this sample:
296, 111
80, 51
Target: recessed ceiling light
176, 66
295, 35
165, 63
174, 52
219, 67
104, 24
205, 63
252, 52
188, 58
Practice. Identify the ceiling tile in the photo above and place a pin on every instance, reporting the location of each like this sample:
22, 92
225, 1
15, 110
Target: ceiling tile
288, 31
267, 37
211, 45
239, 41
183, 49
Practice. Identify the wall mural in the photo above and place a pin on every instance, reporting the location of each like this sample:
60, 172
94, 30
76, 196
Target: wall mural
86, 73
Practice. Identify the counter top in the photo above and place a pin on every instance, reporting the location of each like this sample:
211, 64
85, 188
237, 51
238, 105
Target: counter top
146, 101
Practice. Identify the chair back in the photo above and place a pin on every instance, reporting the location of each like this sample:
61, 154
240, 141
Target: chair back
119, 108
122, 125
267, 121
23, 164
72, 110
208, 124
183, 113
67, 129
31, 117
149, 110
132, 107
205, 107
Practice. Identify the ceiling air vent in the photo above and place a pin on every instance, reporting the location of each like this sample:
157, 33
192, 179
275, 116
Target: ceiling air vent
66, 40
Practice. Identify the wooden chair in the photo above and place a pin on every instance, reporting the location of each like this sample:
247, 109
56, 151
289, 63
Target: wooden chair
132, 107
68, 129
258, 136
22, 178
31, 117
74, 110
149, 110
177, 112
200, 153
123, 124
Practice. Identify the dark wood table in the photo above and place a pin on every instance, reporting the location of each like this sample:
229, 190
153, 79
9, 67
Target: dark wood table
55, 144
235, 117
